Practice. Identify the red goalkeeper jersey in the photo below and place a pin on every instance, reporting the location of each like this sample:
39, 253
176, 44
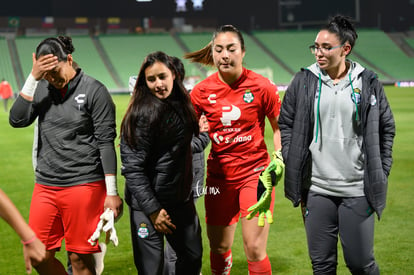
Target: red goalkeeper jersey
236, 116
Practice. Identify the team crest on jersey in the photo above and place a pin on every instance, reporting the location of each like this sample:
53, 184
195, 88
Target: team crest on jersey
248, 96
143, 231
356, 96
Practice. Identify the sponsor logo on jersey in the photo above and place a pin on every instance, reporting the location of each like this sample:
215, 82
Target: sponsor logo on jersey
211, 98
218, 139
237, 139
80, 98
229, 114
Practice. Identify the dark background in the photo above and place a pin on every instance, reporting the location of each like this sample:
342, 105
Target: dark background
388, 15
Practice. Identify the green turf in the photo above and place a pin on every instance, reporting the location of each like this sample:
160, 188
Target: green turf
394, 240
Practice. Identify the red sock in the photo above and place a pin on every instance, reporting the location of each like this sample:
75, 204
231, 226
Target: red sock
262, 267
221, 263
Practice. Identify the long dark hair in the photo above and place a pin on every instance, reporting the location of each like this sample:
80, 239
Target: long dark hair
145, 105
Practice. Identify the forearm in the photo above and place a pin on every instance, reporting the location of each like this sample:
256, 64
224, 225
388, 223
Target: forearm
277, 140
276, 133
12, 216
108, 158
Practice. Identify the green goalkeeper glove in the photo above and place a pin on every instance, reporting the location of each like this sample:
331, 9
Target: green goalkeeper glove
269, 178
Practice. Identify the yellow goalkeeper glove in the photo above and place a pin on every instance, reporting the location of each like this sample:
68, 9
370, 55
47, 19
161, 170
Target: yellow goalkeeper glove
269, 178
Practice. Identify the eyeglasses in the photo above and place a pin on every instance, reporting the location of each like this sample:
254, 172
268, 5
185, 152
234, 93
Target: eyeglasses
323, 50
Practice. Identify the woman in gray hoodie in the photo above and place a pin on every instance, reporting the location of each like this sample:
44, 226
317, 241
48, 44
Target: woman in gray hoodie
337, 133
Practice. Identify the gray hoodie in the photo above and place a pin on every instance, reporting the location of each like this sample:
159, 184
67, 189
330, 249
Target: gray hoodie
337, 157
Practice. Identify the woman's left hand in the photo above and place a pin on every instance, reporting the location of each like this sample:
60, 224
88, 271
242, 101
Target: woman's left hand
162, 221
203, 124
116, 204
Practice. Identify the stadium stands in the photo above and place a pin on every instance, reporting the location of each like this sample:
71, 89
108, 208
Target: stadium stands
113, 58
410, 41
291, 47
127, 52
6, 66
88, 58
25, 46
379, 49
85, 55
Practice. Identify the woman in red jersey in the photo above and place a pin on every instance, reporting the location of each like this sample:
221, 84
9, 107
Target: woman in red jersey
236, 102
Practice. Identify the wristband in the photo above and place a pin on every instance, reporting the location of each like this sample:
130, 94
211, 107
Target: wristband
111, 189
32, 239
29, 86
278, 154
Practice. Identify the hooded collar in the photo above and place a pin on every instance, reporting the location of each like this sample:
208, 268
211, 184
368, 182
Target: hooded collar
355, 69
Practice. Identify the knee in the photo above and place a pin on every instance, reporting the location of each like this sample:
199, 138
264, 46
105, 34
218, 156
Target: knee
324, 265
324, 269
82, 261
47, 261
371, 269
75, 260
195, 256
190, 262
254, 251
220, 248
363, 263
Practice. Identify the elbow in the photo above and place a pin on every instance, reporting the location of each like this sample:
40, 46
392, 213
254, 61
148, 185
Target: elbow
16, 123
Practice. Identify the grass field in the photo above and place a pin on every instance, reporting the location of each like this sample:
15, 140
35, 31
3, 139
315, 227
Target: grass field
394, 236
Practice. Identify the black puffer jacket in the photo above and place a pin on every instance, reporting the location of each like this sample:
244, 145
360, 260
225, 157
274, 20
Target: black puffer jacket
158, 172
296, 123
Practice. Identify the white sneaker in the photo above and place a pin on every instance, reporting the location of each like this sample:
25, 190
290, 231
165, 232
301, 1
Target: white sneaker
99, 259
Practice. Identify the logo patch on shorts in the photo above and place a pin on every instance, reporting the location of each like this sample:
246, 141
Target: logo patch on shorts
143, 231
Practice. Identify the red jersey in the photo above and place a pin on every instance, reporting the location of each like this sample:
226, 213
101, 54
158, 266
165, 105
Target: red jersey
236, 115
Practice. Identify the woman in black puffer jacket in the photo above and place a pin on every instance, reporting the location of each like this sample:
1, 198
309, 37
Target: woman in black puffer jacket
156, 135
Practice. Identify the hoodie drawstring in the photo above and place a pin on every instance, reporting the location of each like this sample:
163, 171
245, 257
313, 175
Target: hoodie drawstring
317, 108
355, 100
319, 100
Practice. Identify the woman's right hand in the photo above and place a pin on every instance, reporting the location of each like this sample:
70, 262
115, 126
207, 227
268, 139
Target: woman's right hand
162, 221
43, 64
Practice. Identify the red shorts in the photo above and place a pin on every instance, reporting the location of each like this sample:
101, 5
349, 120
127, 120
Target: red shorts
226, 202
70, 212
